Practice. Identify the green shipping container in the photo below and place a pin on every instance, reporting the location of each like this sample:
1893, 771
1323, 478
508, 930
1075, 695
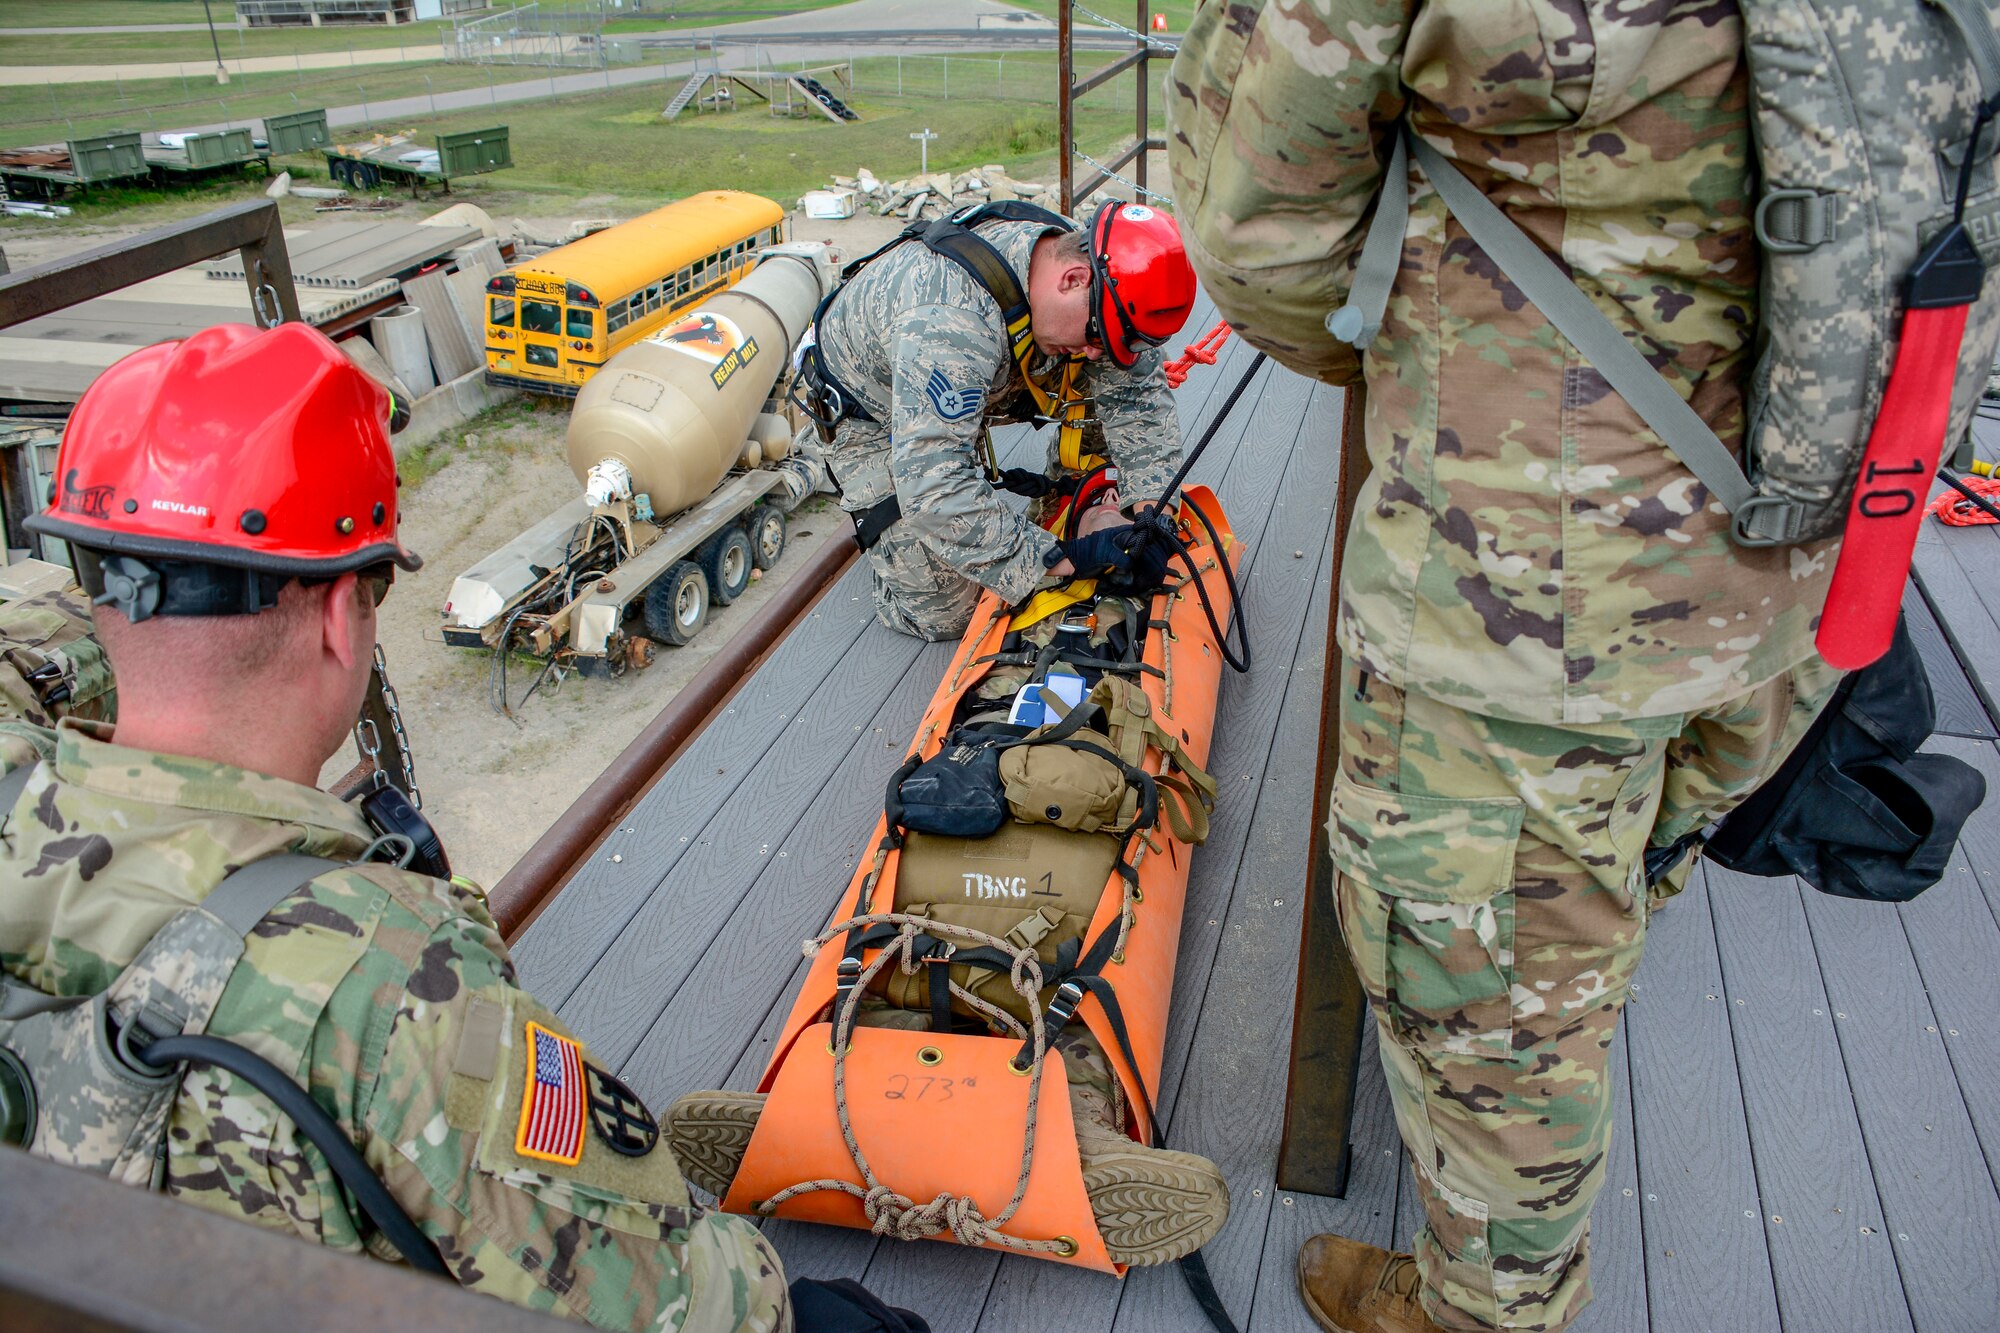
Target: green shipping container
107, 157
474, 151
297, 131
219, 149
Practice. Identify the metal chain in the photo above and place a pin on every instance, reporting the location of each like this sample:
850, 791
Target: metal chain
396, 725
1109, 174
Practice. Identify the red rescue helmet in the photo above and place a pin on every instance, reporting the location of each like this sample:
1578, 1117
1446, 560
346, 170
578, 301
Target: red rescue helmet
1141, 287
262, 450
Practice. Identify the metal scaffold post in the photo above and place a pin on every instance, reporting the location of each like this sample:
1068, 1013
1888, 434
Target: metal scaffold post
1145, 49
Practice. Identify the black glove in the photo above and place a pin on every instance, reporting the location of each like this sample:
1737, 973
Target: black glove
1149, 548
1025, 481
1100, 553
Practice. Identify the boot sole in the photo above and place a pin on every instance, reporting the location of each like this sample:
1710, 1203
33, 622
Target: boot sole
709, 1132
1153, 1205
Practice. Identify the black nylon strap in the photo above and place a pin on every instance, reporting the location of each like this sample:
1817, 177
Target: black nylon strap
876, 519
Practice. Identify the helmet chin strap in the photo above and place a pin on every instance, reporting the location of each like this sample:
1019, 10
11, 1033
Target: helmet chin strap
131, 586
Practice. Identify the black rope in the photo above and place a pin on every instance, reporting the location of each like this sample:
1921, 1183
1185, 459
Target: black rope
319, 1127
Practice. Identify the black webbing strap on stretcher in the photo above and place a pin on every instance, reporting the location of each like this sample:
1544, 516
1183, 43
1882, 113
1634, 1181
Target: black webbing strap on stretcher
1088, 978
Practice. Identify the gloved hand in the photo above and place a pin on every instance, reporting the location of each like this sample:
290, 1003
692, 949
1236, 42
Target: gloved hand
1100, 553
1025, 481
1149, 549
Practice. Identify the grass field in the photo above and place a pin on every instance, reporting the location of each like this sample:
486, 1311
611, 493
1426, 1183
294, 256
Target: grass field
47, 113
612, 148
616, 144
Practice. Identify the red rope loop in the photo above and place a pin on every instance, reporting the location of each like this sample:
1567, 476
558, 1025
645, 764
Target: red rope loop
1955, 509
1202, 351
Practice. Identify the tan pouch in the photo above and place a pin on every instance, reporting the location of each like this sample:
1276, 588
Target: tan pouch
1068, 786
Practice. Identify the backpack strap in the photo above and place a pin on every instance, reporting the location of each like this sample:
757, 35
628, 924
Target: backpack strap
12, 783
1760, 519
252, 892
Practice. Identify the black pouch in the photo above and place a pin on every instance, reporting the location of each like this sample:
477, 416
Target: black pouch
956, 792
1855, 811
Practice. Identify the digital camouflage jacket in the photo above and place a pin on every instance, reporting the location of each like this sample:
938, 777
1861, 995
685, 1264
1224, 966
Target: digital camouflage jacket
923, 347
391, 998
1524, 547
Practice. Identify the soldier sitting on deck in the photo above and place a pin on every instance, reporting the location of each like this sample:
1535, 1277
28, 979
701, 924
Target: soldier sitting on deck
232, 503
1005, 313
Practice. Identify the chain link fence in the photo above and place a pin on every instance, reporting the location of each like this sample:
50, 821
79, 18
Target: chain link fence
529, 35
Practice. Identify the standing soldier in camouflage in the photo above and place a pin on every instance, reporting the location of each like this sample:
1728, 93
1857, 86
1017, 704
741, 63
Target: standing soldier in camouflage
232, 501
1556, 658
920, 356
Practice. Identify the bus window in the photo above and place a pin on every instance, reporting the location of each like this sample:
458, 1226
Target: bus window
581, 324
541, 317
500, 310
541, 356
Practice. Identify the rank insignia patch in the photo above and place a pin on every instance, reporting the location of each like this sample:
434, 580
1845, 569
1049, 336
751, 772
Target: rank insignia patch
552, 1100
952, 404
618, 1116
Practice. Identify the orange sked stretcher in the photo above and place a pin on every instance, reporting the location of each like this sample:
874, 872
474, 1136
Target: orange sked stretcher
941, 1119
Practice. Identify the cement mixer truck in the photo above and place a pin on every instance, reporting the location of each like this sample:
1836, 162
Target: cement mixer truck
680, 446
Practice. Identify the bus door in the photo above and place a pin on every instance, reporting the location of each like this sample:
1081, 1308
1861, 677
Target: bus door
541, 315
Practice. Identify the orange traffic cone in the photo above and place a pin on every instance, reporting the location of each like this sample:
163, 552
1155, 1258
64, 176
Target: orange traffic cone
1159, 23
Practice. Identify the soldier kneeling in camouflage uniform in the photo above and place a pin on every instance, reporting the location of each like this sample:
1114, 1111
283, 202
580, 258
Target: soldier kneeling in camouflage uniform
922, 354
232, 500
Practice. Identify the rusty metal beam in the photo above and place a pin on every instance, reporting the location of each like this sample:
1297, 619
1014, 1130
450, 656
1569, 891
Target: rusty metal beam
1065, 104
83, 1253
1329, 1010
535, 879
1108, 73
252, 228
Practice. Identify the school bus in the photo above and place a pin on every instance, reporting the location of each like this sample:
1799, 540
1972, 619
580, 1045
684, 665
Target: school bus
552, 321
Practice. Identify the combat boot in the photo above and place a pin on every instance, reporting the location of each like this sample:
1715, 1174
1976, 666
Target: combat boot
1151, 1205
1351, 1287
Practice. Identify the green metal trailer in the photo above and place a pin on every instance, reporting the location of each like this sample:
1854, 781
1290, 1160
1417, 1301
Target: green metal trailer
46, 171
191, 154
297, 132
467, 153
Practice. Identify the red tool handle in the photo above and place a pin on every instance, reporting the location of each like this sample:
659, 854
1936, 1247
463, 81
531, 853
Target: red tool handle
1895, 481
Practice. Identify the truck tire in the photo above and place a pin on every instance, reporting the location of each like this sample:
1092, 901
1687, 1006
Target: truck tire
767, 530
727, 560
677, 604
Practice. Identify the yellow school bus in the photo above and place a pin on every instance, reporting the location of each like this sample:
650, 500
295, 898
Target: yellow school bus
551, 322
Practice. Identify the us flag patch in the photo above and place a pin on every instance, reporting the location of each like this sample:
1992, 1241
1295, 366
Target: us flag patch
552, 1102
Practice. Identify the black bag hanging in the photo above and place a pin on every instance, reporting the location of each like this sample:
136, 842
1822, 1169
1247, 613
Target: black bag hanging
1855, 811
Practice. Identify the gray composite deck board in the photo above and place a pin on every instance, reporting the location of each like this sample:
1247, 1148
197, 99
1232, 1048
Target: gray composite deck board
679, 961
1812, 1169
1960, 711
1707, 1266
1956, 944
1938, 1200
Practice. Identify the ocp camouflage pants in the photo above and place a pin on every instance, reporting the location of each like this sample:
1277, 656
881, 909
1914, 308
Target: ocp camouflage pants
1492, 895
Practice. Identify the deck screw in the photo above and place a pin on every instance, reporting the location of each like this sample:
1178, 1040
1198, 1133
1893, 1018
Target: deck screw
1901, 1236
1288, 1203
1628, 1194
1257, 1194
1749, 1212
1930, 1027
616, 859
1868, 1231
1779, 1220
1711, 997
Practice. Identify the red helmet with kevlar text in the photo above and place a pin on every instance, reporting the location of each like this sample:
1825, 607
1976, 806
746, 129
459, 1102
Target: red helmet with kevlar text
257, 449
1141, 287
